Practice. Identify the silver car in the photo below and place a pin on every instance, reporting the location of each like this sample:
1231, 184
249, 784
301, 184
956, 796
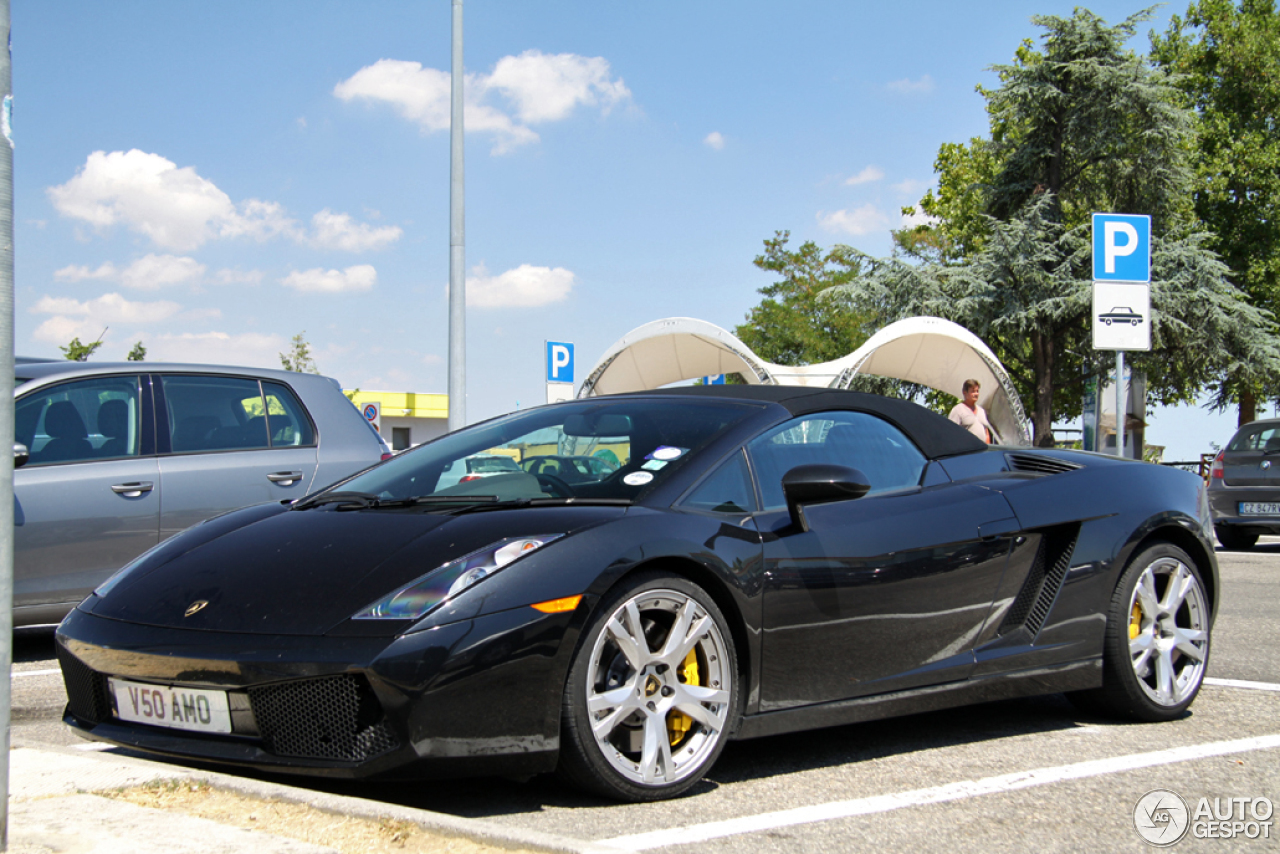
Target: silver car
1244, 485
114, 458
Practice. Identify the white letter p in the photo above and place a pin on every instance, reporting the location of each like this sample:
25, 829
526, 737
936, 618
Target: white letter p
1110, 249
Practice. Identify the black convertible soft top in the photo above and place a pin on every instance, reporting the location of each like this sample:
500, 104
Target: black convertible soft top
933, 434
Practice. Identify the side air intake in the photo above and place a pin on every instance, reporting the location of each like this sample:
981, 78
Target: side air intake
1036, 464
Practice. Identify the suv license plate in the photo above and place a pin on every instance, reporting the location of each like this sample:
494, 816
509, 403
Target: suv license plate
171, 706
1260, 508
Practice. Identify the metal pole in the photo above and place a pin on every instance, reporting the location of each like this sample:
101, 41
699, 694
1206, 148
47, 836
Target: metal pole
6, 414
1120, 396
457, 241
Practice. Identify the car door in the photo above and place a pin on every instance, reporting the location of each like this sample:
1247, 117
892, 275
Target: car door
228, 442
88, 500
884, 592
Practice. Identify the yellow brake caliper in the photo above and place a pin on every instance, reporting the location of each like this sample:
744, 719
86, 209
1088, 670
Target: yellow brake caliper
678, 723
1135, 621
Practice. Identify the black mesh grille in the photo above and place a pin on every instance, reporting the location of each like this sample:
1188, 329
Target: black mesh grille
1036, 464
86, 688
1061, 545
1053, 556
1022, 605
336, 717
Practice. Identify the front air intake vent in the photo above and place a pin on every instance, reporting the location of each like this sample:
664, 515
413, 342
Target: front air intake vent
1036, 464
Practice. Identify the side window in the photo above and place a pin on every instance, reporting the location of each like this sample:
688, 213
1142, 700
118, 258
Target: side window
875, 447
214, 414
287, 421
93, 419
728, 490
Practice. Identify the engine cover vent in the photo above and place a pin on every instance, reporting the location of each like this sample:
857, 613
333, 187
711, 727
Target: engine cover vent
1036, 464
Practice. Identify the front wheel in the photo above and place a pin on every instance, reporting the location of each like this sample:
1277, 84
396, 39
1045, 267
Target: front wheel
1157, 640
652, 693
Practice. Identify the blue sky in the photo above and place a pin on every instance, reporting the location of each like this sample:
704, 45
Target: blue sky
212, 179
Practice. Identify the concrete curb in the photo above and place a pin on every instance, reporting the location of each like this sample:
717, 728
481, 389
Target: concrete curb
65, 771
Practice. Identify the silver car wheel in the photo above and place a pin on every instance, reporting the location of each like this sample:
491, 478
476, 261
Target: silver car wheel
1168, 631
658, 688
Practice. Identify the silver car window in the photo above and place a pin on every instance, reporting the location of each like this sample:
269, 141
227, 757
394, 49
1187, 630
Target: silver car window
214, 413
92, 419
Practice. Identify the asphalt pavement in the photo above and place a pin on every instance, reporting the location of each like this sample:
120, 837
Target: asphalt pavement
1031, 774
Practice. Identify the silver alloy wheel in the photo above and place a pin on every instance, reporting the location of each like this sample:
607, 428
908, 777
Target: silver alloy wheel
636, 687
1168, 631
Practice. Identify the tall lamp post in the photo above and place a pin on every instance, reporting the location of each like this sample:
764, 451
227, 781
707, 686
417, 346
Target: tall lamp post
457, 241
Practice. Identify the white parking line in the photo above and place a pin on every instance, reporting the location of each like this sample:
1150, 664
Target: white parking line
1243, 683
16, 673
935, 795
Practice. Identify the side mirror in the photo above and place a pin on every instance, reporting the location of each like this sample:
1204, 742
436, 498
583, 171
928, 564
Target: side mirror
819, 484
20, 455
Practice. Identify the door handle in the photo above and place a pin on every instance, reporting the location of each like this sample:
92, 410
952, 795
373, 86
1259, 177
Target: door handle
132, 490
285, 478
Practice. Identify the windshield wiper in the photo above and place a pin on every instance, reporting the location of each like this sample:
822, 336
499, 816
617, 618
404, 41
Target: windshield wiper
517, 503
369, 501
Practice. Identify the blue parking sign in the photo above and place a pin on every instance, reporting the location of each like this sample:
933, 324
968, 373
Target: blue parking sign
1121, 247
559, 362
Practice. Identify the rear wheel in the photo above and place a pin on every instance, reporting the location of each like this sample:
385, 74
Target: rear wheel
1157, 640
652, 693
1234, 539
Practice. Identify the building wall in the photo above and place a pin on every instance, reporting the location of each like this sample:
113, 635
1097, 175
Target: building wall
408, 418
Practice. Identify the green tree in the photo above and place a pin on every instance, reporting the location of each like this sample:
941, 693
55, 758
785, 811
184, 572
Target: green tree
298, 358
1226, 56
77, 352
1080, 125
797, 322
137, 354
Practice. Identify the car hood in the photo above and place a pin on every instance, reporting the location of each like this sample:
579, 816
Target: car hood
306, 572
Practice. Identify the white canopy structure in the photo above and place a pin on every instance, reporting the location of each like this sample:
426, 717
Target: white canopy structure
928, 351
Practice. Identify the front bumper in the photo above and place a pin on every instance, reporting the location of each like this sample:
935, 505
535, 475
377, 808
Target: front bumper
478, 696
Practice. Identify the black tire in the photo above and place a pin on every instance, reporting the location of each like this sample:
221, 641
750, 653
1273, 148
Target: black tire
647, 749
1235, 540
1150, 671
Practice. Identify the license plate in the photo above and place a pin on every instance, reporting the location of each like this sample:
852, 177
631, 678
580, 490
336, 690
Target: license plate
1260, 508
171, 706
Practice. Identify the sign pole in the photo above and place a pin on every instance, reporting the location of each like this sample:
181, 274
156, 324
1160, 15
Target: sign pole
457, 239
1120, 396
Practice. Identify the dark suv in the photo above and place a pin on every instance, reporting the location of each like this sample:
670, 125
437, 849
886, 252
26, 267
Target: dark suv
1244, 486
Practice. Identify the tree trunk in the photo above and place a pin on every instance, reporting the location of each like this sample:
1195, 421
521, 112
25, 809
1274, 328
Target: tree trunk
1248, 407
1042, 423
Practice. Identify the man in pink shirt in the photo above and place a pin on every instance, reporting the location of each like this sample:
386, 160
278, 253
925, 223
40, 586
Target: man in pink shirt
969, 415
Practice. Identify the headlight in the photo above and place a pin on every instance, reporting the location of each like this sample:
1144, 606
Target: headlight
447, 581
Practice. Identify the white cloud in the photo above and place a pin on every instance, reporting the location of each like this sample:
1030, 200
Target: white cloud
547, 87
175, 207
151, 272
539, 88
866, 176
911, 187
917, 218
920, 86
859, 221
525, 286
75, 319
79, 274
361, 277
219, 348
179, 210
227, 276
715, 140
148, 273
339, 231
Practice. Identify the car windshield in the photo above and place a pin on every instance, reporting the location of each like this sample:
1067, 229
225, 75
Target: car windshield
589, 450
1261, 437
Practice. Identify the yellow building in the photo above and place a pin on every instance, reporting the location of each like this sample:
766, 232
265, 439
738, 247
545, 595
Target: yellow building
404, 418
